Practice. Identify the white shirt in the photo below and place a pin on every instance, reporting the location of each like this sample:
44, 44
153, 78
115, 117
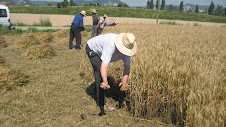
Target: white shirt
104, 46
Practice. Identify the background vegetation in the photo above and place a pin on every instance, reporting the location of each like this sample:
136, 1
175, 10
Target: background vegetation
121, 12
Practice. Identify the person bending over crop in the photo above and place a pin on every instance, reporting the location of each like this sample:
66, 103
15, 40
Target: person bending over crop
104, 49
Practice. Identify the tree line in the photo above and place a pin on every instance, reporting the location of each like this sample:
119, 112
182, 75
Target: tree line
218, 11
65, 3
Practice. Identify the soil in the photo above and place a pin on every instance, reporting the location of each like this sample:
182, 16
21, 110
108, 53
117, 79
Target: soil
65, 20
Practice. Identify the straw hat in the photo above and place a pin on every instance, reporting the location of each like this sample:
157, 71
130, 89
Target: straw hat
83, 12
125, 43
116, 22
105, 16
94, 11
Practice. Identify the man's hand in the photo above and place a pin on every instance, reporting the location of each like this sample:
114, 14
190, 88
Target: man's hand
122, 83
104, 85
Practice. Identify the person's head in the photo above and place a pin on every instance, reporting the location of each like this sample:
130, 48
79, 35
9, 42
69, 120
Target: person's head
116, 22
83, 13
105, 16
125, 43
94, 11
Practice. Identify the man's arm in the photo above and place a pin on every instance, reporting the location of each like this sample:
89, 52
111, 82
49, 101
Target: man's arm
126, 72
103, 71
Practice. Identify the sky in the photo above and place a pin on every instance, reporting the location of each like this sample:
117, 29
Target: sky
176, 2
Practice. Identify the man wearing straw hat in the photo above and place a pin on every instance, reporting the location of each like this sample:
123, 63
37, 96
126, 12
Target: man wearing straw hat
75, 31
104, 49
100, 25
95, 22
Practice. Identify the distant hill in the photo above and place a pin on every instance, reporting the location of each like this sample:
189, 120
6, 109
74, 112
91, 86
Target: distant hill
78, 2
101, 2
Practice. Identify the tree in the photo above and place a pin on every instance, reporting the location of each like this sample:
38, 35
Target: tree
171, 7
120, 5
190, 10
197, 9
58, 5
219, 10
64, 4
225, 11
211, 8
49, 4
157, 4
152, 4
72, 3
163, 5
148, 5
125, 5
181, 9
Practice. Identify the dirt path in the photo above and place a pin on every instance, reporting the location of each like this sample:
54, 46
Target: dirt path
65, 20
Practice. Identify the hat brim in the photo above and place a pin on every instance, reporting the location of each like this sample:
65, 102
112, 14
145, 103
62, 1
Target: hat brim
122, 48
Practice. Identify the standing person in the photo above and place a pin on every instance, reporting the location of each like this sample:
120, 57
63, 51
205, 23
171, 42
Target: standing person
75, 31
95, 22
104, 49
100, 24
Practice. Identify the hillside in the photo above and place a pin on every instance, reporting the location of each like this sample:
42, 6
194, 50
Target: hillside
78, 2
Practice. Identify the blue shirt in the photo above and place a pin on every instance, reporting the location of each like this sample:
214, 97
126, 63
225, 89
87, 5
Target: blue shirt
78, 20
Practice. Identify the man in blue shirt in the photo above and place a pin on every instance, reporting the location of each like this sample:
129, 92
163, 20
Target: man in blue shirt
75, 31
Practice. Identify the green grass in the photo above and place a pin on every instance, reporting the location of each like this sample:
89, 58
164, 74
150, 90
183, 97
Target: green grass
169, 23
196, 24
19, 24
42, 22
121, 12
6, 31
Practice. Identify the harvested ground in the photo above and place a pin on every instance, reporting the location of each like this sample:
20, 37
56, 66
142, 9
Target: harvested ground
56, 95
65, 20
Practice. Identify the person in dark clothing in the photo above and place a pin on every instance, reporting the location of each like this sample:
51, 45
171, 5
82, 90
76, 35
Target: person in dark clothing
96, 19
75, 31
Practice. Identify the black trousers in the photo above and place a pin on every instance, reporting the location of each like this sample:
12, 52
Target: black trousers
75, 32
96, 63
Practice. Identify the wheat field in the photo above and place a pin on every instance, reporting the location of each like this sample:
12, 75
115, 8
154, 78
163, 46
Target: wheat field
178, 73
177, 77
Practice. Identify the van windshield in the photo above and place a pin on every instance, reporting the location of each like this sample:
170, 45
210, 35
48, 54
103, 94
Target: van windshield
3, 13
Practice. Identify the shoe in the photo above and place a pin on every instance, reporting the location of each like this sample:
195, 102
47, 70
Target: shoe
77, 47
101, 111
101, 114
108, 108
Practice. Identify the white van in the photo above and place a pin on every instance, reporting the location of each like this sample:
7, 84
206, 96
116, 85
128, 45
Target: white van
5, 16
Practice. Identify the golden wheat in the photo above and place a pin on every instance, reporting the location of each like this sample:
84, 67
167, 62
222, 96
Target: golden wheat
178, 73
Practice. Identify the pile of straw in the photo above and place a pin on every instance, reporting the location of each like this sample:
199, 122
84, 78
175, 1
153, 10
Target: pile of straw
61, 33
39, 51
2, 42
45, 37
27, 40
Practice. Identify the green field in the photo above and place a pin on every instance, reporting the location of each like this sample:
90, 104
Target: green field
121, 12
